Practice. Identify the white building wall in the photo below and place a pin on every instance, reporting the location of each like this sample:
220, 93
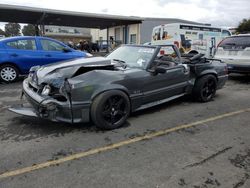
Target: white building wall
98, 34
133, 29
112, 32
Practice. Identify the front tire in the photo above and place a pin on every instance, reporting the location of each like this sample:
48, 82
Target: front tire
8, 73
205, 88
110, 109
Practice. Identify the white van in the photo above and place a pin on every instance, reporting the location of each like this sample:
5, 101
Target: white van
190, 38
235, 51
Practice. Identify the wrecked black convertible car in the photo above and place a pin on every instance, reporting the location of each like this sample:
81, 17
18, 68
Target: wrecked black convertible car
107, 89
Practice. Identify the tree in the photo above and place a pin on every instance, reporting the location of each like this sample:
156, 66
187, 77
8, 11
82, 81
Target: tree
2, 32
244, 26
12, 29
29, 30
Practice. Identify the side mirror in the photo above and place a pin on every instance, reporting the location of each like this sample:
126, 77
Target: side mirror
160, 70
66, 50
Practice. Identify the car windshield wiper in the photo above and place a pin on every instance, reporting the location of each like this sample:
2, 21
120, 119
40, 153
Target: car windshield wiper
123, 63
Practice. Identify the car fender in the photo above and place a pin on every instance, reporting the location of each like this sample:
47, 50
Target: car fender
206, 72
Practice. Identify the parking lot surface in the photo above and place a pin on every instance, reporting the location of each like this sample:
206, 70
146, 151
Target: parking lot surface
177, 144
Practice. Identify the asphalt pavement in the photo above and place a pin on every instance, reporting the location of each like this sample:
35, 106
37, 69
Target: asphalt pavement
178, 144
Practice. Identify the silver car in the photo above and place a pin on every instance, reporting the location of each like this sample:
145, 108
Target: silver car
235, 51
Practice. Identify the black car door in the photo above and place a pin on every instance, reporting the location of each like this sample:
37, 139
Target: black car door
165, 85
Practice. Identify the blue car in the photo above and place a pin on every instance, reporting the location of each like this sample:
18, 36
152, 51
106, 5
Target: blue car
19, 54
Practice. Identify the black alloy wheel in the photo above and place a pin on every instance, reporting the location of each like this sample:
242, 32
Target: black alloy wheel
115, 108
110, 109
205, 88
209, 89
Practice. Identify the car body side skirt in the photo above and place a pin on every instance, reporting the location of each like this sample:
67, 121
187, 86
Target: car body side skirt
148, 105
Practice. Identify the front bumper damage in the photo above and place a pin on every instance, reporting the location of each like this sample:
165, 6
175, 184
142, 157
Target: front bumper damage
50, 108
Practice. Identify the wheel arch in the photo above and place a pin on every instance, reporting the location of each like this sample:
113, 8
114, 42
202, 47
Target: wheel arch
207, 72
13, 64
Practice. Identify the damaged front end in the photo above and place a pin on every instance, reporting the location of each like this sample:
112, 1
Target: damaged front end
49, 104
59, 96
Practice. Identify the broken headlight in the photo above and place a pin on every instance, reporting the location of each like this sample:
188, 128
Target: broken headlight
46, 90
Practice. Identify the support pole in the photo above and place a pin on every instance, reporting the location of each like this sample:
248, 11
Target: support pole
126, 34
37, 30
107, 50
42, 29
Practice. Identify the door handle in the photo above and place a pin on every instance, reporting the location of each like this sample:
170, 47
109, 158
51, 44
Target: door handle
47, 55
13, 55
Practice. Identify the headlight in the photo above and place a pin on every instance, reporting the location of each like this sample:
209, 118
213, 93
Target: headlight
46, 90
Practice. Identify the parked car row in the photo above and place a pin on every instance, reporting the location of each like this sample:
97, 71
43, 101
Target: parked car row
19, 54
107, 89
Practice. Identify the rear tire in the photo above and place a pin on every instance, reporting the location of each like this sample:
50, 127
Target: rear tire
110, 109
205, 88
8, 73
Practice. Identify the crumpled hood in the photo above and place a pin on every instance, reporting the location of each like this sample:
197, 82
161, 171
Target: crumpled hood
57, 72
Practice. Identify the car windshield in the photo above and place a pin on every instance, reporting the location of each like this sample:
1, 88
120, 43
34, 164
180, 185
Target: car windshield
133, 56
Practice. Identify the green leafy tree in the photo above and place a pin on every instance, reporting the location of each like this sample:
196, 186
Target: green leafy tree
29, 30
2, 32
12, 29
244, 26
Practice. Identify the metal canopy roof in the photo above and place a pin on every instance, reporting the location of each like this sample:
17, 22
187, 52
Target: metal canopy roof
32, 15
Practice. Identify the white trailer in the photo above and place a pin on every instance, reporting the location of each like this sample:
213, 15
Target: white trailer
190, 38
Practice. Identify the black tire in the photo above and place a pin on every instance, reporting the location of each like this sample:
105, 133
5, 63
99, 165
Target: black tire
205, 88
8, 73
110, 109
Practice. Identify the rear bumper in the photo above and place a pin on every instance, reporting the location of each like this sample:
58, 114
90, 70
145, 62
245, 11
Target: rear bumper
49, 108
222, 81
244, 69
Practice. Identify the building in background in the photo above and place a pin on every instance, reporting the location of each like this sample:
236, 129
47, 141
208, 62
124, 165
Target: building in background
126, 34
135, 33
66, 34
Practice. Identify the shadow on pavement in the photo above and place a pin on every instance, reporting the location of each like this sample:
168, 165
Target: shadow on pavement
240, 78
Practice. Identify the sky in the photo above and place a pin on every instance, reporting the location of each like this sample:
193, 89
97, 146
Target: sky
224, 13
